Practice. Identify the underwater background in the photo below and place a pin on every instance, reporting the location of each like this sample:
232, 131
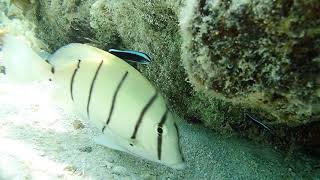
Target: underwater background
242, 75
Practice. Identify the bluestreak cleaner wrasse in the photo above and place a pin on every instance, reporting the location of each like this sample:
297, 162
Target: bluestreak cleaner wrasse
130, 113
132, 56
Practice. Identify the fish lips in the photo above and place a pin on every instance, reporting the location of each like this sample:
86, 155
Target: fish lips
179, 166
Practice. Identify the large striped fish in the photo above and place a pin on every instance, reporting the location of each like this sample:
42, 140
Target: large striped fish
130, 113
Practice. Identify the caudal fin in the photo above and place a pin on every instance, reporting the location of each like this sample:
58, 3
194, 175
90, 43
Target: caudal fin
22, 64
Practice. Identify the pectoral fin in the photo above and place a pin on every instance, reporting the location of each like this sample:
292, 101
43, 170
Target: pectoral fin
107, 141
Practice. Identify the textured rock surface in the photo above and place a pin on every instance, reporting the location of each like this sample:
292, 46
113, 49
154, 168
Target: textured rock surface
262, 53
241, 57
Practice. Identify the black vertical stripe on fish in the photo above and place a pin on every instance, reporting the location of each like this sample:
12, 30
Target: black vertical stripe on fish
175, 125
52, 70
92, 86
144, 110
47, 61
3, 70
114, 98
72, 78
160, 125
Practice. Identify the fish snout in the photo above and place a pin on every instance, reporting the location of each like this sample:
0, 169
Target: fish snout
179, 166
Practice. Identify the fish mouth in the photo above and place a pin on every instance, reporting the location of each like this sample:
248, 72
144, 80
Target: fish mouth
179, 166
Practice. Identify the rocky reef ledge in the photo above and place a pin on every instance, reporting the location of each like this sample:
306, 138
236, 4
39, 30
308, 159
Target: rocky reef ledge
245, 67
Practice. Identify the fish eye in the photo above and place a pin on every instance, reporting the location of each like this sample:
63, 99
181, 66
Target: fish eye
159, 130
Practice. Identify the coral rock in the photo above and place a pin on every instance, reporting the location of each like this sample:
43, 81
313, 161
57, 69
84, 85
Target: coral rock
265, 54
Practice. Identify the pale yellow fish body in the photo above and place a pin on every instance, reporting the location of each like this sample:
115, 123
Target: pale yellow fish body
134, 90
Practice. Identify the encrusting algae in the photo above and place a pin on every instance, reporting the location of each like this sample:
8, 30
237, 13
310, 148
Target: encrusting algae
22, 4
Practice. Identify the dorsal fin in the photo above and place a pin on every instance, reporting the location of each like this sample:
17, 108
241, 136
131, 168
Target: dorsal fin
131, 56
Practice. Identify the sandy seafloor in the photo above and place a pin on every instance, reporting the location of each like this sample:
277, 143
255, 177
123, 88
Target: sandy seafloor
40, 141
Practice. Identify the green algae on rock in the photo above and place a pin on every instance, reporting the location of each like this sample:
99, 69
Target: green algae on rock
261, 53
22, 4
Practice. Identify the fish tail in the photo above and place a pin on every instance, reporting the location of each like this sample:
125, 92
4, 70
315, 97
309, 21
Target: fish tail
21, 63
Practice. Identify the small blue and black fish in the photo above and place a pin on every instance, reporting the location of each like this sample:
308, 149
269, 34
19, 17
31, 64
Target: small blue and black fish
131, 56
130, 113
